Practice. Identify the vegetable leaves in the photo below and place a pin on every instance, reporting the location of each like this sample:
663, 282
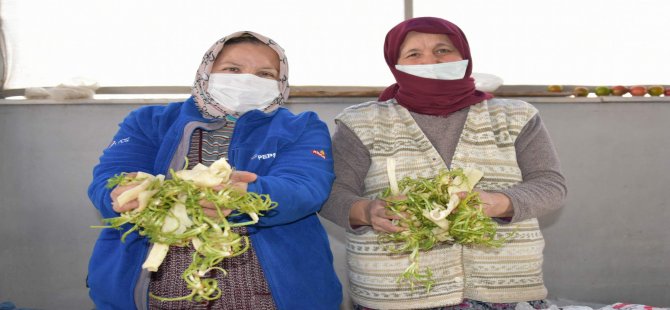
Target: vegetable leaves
170, 214
432, 213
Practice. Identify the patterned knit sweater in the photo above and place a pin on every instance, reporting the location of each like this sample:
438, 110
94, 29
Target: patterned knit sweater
487, 142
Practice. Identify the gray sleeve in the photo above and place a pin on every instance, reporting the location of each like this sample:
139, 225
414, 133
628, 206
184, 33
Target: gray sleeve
352, 162
543, 189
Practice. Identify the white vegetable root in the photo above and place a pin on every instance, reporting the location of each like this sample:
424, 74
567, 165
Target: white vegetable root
459, 185
156, 256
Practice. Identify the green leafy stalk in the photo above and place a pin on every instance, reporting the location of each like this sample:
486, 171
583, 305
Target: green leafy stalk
212, 238
119, 179
424, 216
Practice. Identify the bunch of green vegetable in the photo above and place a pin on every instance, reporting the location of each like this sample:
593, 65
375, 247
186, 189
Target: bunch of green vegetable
169, 213
431, 212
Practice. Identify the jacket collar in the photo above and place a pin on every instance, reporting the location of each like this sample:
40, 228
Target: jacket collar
191, 111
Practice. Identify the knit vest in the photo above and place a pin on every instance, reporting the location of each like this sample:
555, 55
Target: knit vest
511, 273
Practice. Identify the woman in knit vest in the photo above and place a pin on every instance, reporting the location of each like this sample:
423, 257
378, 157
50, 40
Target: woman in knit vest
433, 118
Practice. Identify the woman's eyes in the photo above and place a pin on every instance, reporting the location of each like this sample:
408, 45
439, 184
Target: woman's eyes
267, 75
263, 74
443, 51
231, 69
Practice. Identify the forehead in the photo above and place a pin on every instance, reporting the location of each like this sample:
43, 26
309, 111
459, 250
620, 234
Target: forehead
415, 39
248, 52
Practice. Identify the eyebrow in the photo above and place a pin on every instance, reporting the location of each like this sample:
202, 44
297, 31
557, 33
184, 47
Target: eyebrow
227, 63
230, 63
445, 44
410, 50
441, 44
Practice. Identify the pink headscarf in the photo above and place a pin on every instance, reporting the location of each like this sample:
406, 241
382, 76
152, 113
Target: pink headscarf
207, 106
430, 96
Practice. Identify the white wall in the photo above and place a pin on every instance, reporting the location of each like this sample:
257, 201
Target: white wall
609, 244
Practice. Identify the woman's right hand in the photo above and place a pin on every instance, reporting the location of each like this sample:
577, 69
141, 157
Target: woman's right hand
117, 191
239, 180
374, 213
208, 207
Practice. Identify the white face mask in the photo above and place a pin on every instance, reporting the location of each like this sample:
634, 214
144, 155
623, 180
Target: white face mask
454, 70
242, 92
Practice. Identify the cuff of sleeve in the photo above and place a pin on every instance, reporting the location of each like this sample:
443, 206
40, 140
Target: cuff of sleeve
502, 220
516, 202
350, 203
253, 186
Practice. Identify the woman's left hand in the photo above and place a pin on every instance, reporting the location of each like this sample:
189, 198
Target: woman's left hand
493, 204
239, 180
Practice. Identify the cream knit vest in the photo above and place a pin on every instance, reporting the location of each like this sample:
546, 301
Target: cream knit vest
509, 274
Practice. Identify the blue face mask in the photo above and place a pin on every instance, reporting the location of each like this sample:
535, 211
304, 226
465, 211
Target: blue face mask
454, 70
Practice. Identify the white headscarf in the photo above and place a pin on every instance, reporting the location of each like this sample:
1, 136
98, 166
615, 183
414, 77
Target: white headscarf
207, 106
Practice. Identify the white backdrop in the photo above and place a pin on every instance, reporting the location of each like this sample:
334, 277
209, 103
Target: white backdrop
160, 42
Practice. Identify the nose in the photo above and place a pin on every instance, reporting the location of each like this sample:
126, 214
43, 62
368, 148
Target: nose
430, 60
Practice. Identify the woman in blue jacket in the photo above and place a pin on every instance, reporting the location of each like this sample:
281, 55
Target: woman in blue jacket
234, 113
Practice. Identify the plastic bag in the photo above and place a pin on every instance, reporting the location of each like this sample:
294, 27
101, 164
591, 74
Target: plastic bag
486, 82
77, 88
625, 306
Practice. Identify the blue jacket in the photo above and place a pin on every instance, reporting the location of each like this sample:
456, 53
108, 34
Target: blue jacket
290, 153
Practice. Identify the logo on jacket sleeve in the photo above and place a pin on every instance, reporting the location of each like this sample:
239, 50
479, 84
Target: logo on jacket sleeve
120, 141
264, 156
320, 153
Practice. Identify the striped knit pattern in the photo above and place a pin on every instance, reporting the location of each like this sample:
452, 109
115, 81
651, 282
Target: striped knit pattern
514, 272
244, 287
511, 273
208, 146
